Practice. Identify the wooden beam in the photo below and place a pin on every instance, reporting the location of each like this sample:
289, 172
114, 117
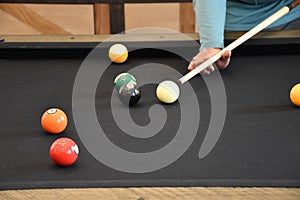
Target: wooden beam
101, 18
33, 19
186, 18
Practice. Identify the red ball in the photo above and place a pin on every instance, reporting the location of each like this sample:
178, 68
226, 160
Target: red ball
64, 151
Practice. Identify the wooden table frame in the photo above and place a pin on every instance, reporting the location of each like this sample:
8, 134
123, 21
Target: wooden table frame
109, 15
167, 193
151, 193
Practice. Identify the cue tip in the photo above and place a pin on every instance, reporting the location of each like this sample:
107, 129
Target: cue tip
180, 82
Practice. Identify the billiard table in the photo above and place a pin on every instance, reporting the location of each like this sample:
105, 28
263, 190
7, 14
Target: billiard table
233, 128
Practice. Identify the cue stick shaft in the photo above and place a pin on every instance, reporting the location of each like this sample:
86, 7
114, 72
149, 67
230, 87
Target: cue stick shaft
281, 12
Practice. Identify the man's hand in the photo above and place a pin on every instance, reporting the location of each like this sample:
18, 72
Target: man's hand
222, 63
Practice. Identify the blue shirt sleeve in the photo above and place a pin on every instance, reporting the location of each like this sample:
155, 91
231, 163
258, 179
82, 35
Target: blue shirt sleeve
210, 18
213, 17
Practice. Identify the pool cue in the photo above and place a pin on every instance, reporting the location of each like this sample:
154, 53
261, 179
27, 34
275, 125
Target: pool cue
281, 12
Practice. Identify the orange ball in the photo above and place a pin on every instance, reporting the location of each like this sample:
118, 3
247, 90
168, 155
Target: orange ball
54, 121
295, 94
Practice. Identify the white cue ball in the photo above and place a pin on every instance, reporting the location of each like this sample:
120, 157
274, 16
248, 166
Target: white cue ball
118, 53
167, 92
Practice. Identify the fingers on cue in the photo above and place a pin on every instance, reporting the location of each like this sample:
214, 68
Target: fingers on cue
193, 63
211, 68
190, 67
205, 72
208, 70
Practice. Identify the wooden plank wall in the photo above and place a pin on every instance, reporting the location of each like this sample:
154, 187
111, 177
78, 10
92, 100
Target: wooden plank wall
46, 19
91, 19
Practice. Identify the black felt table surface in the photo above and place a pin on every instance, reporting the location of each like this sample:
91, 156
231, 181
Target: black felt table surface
259, 145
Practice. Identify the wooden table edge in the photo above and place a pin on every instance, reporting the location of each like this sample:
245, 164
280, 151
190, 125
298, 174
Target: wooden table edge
136, 37
165, 193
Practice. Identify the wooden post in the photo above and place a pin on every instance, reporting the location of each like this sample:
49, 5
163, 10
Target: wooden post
117, 18
187, 18
101, 18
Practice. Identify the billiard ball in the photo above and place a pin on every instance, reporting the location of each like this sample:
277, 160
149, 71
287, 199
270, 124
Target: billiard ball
129, 94
167, 92
64, 151
54, 121
295, 94
118, 53
123, 79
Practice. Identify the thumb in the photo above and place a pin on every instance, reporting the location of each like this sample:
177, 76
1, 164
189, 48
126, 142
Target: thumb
226, 54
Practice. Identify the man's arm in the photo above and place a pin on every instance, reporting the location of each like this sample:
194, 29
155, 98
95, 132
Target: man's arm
210, 18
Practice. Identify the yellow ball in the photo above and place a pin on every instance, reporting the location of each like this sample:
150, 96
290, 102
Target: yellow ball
118, 53
295, 95
167, 92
